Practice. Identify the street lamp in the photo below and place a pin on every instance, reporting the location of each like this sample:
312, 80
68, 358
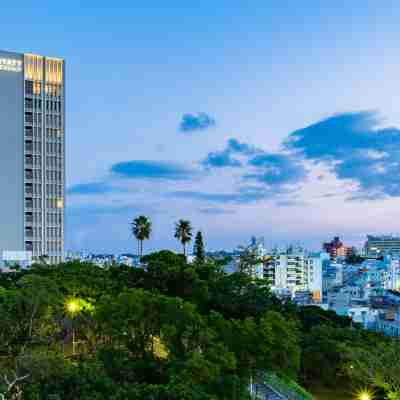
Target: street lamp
73, 307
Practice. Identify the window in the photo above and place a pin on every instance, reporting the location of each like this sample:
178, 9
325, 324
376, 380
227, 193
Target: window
29, 231
29, 131
39, 119
28, 160
29, 117
29, 87
28, 146
29, 203
28, 217
37, 88
28, 174
28, 103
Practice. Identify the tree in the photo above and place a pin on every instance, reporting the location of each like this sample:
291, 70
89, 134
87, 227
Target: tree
37, 295
141, 229
376, 364
183, 232
249, 262
354, 259
198, 249
170, 274
12, 386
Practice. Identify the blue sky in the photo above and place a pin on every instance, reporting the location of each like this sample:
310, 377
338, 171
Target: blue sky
267, 118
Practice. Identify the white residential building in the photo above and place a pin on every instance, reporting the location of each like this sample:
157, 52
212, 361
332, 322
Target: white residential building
296, 270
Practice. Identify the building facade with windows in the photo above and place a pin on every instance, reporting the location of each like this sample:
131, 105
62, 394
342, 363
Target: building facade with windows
296, 270
377, 246
32, 157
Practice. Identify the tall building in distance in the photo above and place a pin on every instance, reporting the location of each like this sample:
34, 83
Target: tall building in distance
32, 157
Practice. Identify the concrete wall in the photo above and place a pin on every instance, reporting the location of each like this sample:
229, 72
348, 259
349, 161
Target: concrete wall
11, 158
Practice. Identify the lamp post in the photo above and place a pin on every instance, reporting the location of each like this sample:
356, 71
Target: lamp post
73, 307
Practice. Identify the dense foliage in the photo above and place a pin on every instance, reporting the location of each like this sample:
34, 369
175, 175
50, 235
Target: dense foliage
170, 330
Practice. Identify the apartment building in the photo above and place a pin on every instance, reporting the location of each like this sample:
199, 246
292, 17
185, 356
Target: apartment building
296, 270
32, 157
377, 246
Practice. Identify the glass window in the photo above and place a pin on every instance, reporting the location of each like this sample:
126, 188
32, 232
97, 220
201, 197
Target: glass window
29, 87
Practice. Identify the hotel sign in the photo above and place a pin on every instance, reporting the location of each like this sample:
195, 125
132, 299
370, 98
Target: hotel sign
10, 65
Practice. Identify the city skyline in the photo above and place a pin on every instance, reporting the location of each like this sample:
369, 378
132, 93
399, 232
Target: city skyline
274, 121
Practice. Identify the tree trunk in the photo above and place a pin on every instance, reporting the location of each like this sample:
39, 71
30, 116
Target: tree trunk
141, 248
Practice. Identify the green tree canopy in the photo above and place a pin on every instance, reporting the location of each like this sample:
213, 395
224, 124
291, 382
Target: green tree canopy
198, 249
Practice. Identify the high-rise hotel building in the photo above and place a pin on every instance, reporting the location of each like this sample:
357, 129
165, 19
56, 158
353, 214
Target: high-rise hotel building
32, 157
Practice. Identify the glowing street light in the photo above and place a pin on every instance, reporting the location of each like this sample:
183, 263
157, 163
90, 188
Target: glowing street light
72, 307
365, 394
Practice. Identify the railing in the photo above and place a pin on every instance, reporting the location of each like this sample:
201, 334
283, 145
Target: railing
286, 387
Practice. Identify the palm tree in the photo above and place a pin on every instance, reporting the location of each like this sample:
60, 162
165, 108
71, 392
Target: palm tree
141, 229
183, 232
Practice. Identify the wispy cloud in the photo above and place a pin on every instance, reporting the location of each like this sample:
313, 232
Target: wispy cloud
226, 157
92, 188
144, 169
221, 159
290, 203
355, 148
277, 169
215, 211
243, 195
196, 122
